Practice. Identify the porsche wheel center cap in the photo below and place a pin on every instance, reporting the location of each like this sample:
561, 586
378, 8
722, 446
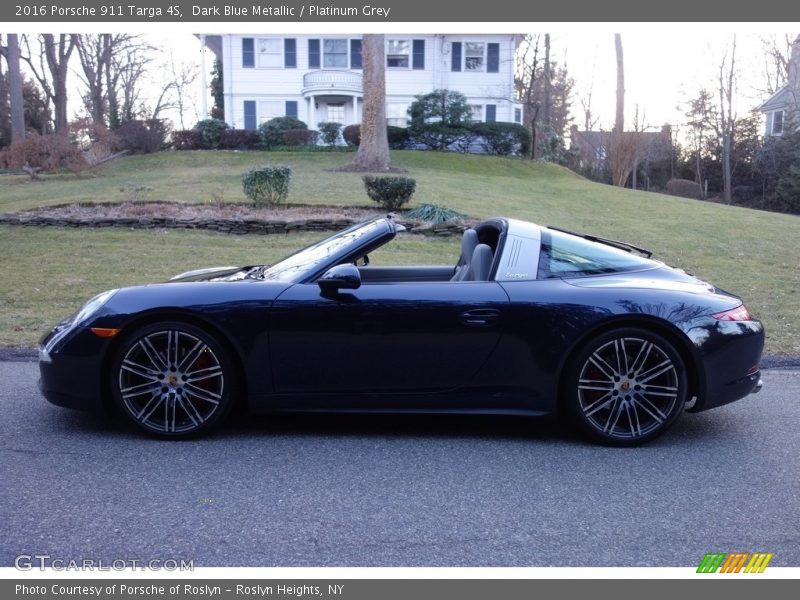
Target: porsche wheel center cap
173, 380
625, 386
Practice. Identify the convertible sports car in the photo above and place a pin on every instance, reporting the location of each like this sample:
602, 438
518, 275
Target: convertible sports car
530, 320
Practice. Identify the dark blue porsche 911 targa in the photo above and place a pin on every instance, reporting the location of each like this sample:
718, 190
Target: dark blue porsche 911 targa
530, 320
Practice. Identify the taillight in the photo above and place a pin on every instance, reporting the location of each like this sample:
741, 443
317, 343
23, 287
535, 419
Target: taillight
740, 313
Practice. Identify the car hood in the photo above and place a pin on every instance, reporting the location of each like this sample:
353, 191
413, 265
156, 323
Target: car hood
215, 273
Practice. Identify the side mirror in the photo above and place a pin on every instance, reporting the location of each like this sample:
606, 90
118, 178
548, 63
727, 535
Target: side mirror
340, 277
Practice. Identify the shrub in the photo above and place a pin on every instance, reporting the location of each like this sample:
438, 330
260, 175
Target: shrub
211, 132
390, 192
329, 132
439, 118
300, 137
272, 132
433, 213
685, 188
502, 138
267, 185
187, 139
142, 137
239, 139
398, 137
352, 135
43, 153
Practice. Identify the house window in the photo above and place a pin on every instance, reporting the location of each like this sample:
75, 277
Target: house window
474, 56
334, 54
270, 53
269, 109
476, 113
397, 114
517, 115
336, 113
398, 54
777, 122
290, 53
248, 53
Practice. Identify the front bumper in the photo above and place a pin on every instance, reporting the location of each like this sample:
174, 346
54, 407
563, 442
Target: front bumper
70, 373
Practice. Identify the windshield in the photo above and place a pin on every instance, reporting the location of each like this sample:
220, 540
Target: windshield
308, 260
565, 255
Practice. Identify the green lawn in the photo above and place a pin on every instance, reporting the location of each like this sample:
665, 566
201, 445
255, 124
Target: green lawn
47, 273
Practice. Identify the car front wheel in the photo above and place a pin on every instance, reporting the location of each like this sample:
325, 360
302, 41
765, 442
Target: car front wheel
173, 380
626, 387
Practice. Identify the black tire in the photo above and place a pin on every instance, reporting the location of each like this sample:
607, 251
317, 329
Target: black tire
173, 380
625, 387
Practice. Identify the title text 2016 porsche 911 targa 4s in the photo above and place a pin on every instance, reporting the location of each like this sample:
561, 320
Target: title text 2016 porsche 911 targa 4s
530, 320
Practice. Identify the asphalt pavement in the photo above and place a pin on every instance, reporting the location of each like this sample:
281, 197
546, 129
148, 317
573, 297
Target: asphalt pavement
398, 491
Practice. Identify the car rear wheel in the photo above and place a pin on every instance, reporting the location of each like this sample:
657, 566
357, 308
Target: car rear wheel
173, 380
626, 387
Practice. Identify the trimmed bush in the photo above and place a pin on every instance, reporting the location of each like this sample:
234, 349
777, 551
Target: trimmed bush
398, 137
352, 135
272, 132
142, 137
267, 185
43, 153
503, 139
239, 139
390, 192
210, 132
300, 137
685, 188
329, 131
187, 139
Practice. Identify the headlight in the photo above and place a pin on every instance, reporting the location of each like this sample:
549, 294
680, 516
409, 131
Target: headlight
92, 306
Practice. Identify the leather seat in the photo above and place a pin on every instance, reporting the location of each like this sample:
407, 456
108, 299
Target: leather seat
469, 241
481, 264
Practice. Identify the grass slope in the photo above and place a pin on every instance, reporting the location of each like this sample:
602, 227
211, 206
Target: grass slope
752, 253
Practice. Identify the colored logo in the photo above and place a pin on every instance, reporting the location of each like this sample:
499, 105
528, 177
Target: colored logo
734, 562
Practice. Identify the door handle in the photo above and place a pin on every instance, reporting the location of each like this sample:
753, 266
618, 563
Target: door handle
480, 317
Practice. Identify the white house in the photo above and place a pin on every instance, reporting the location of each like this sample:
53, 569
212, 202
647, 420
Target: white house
318, 77
784, 103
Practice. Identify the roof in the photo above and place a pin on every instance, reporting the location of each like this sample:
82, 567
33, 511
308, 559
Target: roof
777, 101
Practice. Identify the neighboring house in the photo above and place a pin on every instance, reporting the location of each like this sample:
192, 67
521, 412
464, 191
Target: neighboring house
784, 104
317, 78
651, 148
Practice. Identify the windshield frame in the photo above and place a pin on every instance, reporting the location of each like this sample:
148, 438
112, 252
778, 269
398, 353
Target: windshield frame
303, 267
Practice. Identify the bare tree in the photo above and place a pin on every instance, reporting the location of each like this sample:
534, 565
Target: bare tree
529, 72
50, 66
619, 120
777, 50
548, 84
622, 148
183, 77
373, 150
12, 56
727, 116
95, 56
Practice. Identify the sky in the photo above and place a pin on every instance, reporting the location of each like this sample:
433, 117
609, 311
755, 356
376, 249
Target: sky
665, 64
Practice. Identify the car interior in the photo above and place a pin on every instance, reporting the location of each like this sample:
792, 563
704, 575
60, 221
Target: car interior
475, 263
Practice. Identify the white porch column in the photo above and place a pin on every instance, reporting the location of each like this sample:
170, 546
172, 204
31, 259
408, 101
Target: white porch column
203, 84
356, 116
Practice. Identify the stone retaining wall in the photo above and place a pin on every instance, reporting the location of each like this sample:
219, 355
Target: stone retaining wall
234, 226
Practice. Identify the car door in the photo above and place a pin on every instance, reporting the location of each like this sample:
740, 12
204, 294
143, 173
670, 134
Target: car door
384, 338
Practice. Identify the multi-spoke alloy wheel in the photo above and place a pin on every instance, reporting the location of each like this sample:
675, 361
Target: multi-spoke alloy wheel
628, 386
171, 380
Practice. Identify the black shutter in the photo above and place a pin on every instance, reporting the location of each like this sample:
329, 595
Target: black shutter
313, 54
355, 54
248, 52
419, 55
491, 113
290, 53
249, 114
291, 108
455, 64
493, 58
